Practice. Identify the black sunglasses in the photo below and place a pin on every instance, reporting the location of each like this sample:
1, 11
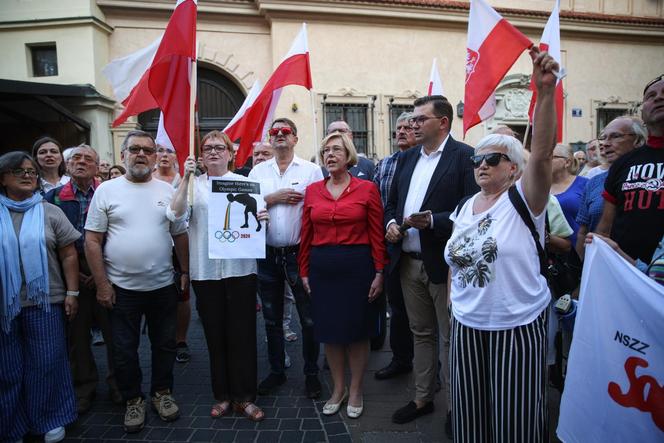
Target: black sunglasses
491, 159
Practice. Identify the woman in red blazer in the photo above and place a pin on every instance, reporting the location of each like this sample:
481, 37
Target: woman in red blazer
342, 255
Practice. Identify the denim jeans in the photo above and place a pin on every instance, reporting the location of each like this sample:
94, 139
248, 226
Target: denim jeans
160, 310
274, 271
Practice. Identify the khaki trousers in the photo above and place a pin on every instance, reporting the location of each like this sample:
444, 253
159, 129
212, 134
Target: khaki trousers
426, 304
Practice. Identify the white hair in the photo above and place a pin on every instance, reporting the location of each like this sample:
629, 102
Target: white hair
512, 145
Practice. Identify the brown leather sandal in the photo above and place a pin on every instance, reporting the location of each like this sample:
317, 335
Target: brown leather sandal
249, 410
220, 409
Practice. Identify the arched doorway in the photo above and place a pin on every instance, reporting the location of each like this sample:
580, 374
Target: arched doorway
219, 99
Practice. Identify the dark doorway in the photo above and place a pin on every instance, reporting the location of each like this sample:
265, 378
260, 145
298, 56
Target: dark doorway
218, 101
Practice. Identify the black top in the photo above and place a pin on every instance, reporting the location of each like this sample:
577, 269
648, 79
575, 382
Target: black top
635, 184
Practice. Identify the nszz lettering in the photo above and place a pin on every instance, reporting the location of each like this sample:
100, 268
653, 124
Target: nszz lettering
631, 342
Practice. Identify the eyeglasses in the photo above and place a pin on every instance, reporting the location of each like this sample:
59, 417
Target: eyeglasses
560, 156
20, 172
217, 148
404, 128
614, 136
491, 159
137, 149
420, 120
334, 149
165, 151
276, 131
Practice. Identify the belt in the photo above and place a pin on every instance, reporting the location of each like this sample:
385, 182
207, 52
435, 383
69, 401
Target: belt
283, 250
414, 255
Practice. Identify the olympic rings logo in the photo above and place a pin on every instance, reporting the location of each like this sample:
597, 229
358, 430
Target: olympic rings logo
227, 236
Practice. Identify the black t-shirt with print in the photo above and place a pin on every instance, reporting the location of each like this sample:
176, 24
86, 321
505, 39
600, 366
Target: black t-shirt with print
635, 184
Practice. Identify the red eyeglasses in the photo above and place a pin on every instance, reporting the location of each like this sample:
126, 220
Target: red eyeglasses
276, 131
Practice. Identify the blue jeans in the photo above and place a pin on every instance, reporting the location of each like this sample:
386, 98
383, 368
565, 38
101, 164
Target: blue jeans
160, 310
274, 271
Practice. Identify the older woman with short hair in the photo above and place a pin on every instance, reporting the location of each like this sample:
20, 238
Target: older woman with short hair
36, 251
499, 297
225, 289
342, 256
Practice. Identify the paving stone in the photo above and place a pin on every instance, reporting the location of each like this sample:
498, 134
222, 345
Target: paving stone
287, 412
309, 424
314, 437
225, 436
96, 431
307, 413
335, 428
268, 437
291, 437
290, 424
206, 435
157, 434
244, 424
344, 438
180, 434
269, 424
224, 423
246, 436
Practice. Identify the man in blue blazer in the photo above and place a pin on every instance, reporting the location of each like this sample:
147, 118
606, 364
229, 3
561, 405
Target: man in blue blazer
429, 182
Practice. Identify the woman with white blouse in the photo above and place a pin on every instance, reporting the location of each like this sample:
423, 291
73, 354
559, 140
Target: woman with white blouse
225, 289
498, 338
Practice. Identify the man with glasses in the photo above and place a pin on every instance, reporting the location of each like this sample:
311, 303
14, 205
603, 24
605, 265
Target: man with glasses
133, 273
74, 199
401, 339
620, 136
428, 183
283, 181
364, 168
633, 214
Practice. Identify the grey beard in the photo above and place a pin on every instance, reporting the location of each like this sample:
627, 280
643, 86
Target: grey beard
139, 172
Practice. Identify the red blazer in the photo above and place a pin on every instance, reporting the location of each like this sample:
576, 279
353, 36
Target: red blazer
355, 218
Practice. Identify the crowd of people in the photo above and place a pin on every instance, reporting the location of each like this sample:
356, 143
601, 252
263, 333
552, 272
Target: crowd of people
456, 240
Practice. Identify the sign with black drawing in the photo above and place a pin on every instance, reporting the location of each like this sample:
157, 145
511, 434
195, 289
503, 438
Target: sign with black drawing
234, 230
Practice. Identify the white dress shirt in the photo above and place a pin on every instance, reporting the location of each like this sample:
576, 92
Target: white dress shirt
419, 183
285, 219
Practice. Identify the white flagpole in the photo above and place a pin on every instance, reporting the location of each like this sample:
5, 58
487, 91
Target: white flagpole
193, 79
312, 94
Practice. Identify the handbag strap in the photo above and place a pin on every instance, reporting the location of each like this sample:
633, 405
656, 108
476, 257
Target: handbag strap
523, 212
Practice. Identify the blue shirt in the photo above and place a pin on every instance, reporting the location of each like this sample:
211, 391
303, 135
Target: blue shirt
384, 174
570, 200
592, 202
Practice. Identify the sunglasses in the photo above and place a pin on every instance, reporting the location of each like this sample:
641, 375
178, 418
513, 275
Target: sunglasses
276, 131
137, 149
491, 159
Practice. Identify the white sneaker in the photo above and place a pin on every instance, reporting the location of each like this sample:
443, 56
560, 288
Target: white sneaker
54, 435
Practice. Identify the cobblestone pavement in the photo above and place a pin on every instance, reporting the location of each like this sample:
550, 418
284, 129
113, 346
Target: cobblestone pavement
290, 416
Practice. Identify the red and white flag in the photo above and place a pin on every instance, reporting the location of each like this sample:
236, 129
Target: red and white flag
550, 42
435, 84
493, 47
158, 76
251, 121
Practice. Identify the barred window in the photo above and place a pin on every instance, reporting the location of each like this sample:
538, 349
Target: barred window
356, 116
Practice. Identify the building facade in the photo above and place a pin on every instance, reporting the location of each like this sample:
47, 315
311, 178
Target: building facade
369, 60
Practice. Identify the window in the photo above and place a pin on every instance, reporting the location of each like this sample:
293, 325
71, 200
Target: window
44, 59
356, 117
605, 115
395, 112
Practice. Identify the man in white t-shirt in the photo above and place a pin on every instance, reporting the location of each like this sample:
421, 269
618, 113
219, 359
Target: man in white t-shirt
283, 181
133, 273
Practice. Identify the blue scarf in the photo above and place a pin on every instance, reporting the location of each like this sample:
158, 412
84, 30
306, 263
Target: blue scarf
30, 249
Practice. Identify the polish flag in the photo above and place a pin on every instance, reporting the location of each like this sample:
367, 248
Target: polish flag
251, 121
550, 42
158, 76
493, 47
435, 84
